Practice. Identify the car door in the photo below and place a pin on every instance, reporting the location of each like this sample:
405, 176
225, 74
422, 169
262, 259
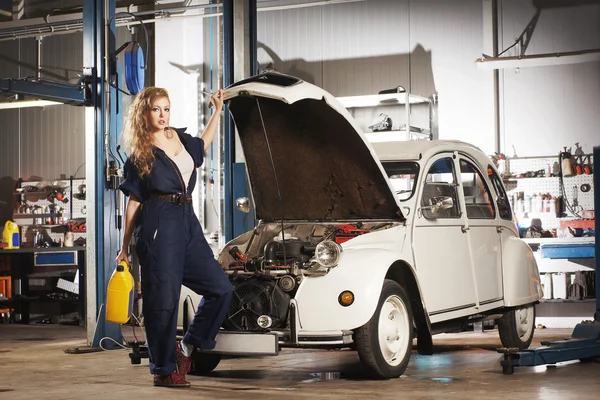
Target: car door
440, 244
483, 232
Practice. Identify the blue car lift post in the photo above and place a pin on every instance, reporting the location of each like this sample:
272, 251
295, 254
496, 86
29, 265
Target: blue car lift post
584, 343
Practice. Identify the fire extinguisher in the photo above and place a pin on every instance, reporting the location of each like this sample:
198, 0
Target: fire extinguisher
566, 162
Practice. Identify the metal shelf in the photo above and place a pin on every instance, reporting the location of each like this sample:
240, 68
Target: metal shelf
25, 216
25, 193
403, 99
378, 100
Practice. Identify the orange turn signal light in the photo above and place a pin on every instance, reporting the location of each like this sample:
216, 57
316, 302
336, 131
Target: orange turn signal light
346, 298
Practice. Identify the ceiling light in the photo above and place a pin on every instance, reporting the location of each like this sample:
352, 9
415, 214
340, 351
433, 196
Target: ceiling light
27, 103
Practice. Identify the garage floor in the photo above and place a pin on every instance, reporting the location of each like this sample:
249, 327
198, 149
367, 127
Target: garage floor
33, 365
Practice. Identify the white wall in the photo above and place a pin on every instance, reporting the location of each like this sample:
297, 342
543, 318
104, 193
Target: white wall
546, 108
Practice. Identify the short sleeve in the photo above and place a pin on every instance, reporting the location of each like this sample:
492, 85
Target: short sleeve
194, 146
132, 184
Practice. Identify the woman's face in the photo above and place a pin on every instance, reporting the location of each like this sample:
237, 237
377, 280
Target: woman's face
159, 114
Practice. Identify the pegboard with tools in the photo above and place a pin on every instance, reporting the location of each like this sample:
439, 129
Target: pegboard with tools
534, 184
51, 208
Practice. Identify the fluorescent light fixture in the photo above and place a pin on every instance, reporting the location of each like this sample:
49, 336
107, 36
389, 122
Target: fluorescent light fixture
539, 60
27, 103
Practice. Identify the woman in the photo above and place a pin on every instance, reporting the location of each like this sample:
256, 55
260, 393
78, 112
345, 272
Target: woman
160, 175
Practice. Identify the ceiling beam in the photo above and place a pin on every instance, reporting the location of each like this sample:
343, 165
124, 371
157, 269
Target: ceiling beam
18, 9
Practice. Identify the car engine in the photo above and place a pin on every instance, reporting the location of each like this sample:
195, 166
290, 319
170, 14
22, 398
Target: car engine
268, 271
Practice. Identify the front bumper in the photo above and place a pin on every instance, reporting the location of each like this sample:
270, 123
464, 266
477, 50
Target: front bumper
269, 343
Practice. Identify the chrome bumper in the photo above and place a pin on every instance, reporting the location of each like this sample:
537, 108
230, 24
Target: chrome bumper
269, 343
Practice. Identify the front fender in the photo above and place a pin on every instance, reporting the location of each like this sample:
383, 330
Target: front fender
521, 275
361, 271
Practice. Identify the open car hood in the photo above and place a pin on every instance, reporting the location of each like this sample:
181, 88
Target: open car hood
299, 141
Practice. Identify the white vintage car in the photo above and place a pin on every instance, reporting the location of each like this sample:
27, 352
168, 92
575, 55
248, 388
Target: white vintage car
381, 243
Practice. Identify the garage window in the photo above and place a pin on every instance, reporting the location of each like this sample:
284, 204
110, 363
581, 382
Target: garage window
477, 195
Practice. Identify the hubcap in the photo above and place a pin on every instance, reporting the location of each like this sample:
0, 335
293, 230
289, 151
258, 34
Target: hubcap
394, 330
525, 322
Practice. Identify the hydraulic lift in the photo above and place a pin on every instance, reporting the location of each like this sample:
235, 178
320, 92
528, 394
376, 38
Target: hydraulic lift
584, 343
74, 94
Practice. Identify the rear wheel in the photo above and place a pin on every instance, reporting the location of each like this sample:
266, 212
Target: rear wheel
516, 327
204, 363
385, 342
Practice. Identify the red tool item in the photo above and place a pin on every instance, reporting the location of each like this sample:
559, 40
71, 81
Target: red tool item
347, 231
237, 254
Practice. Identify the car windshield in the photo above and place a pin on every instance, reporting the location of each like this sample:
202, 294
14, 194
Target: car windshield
403, 176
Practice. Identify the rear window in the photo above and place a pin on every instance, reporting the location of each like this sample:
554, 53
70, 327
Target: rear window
503, 203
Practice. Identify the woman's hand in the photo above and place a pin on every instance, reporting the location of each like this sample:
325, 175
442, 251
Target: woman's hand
123, 256
217, 99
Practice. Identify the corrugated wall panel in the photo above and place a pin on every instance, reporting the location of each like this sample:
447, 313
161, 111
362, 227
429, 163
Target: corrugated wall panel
53, 137
366, 47
9, 139
546, 108
558, 28
35, 8
292, 41
9, 119
369, 46
450, 36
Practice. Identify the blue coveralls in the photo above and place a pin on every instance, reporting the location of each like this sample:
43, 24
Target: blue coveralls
173, 251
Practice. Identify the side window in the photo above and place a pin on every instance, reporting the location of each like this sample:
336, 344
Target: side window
503, 203
440, 181
478, 199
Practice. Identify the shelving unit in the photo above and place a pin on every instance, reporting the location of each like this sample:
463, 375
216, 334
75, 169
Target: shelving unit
73, 209
547, 184
390, 103
557, 309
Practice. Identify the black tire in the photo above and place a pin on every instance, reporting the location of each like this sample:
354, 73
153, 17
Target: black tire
204, 363
516, 327
508, 369
394, 302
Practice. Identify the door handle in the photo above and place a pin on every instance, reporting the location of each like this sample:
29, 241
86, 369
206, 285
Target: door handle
499, 229
464, 229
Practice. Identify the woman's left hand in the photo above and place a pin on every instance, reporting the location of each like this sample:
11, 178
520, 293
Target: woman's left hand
217, 99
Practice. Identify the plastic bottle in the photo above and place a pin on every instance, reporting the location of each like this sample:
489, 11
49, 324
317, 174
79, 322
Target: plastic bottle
537, 203
527, 204
119, 297
519, 206
10, 235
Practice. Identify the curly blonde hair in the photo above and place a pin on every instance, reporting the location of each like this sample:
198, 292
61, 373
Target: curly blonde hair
136, 135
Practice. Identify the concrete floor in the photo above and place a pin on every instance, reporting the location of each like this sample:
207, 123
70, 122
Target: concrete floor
33, 365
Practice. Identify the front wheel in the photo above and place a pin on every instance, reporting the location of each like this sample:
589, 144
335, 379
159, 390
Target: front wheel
516, 327
204, 363
385, 342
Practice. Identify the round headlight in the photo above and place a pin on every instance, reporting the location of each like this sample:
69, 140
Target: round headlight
328, 253
264, 321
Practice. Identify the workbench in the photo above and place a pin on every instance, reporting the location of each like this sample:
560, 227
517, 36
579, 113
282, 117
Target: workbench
30, 265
